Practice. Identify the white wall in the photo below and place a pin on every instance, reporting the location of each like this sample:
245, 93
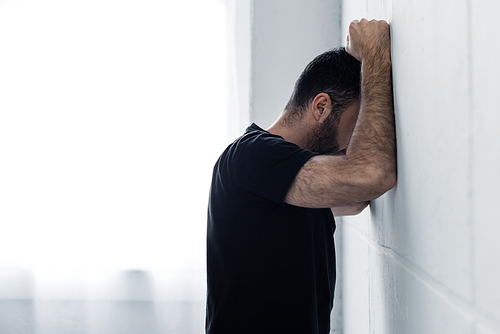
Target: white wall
238, 28
424, 258
285, 37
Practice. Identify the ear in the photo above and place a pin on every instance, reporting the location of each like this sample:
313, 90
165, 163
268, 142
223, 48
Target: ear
321, 107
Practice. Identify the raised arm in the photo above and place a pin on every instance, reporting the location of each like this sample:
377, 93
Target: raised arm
369, 167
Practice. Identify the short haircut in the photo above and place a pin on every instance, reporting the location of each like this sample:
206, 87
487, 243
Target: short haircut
333, 72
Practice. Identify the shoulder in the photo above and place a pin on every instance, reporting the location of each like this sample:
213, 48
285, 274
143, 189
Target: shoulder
261, 148
255, 138
259, 145
263, 164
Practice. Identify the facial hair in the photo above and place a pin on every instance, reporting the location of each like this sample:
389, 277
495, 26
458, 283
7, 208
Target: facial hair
323, 138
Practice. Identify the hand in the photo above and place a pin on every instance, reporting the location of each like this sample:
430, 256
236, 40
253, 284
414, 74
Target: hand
368, 39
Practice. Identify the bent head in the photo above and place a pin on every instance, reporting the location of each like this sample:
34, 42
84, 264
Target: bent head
326, 98
332, 136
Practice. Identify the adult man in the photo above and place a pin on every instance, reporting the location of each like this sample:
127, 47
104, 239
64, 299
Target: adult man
270, 253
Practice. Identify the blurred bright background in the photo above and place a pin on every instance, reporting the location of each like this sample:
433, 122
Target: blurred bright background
112, 114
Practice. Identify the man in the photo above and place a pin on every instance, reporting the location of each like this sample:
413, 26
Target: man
270, 252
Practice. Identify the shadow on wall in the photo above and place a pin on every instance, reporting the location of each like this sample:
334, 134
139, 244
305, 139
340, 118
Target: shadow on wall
402, 297
383, 292
388, 288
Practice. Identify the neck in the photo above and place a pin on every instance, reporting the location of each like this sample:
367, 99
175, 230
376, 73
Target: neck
294, 133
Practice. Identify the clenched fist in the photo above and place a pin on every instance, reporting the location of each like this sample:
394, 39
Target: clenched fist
368, 39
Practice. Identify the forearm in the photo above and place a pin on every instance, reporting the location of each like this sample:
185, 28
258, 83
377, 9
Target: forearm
373, 144
369, 167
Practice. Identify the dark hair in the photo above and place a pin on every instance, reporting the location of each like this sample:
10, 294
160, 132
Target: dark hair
335, 73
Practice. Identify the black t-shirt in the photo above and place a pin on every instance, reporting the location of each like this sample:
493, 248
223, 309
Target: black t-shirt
270, 265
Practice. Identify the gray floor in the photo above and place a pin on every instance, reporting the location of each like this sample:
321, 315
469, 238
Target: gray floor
101, 317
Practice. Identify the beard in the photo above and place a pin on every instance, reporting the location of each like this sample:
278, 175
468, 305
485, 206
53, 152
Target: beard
323, 138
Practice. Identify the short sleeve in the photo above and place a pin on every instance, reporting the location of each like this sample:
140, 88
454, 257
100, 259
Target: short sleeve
266, 164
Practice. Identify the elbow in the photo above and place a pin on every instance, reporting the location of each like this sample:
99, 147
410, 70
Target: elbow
358, 208
389, 181
380, 181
